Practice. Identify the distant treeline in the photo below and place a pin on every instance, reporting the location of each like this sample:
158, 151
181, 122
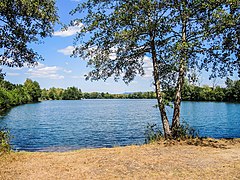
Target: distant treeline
134, 95
231, 93
30, 91
71, 93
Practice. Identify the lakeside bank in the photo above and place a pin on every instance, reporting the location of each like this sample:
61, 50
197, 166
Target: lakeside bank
152, 161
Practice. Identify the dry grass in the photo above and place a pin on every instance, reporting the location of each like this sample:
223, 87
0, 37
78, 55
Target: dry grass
155, 161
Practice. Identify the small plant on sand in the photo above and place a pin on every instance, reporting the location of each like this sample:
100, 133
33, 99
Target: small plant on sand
184, 134
152, 133
4, 142
184, 131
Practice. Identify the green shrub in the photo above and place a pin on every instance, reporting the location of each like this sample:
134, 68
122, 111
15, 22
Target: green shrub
4, 142
152, 133
184, 131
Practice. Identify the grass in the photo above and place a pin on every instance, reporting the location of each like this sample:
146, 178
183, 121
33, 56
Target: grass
160, 160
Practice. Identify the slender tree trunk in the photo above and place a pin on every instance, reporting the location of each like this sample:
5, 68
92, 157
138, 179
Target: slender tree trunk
178, 98
180, 81
165, 122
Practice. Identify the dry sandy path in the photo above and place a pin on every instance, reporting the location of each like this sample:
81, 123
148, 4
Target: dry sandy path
133, 162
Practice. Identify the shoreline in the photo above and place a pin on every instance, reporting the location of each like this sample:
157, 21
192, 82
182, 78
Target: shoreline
204, 141
162, 160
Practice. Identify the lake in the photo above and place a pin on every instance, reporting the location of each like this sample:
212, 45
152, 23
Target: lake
67, 125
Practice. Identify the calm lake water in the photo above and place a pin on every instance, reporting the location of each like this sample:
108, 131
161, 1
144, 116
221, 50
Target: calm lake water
67, 125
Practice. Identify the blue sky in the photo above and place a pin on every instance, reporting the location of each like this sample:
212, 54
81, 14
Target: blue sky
60, 70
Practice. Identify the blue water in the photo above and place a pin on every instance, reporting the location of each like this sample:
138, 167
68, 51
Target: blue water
65, 125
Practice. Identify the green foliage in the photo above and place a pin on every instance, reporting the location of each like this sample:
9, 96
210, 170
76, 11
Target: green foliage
52, 94
183, 132
142, 95
206, 93
223, 29
13, 95
44, 94
23, 22
233, 92
175, 36
120, 34
4, 142
33, 89
4, 99
190, 92
152, 133
135, 95
72, 93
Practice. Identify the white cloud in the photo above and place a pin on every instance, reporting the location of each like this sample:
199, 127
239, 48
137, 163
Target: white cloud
67, 71
13, 74
69, 31
40, 65
78, 77
148, 69
42, 71
15, 68
134, 82
66, 51
112, 56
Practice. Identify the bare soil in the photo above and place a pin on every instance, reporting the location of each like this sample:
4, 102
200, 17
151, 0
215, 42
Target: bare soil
164, 160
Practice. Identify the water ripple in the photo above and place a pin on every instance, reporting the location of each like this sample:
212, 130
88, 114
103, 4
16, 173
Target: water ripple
66, 125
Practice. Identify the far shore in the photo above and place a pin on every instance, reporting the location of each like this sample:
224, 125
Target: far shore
208, 159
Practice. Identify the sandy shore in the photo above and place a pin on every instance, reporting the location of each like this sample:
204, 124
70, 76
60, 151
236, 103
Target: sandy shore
154, 161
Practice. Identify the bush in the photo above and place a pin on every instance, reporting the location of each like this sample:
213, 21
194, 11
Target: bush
183, 132
4, 142
152, 133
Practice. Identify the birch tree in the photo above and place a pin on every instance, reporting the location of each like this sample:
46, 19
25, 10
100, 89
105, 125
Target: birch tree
176, 35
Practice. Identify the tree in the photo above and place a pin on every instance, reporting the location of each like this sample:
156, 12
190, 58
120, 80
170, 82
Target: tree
44, 94
229, 83
233, 90
196, 42
223, 29
33, 89
219, 93
174, 34
72, 93
23, 22
16, 94
237, 91
122, 36
4, 99
52, 93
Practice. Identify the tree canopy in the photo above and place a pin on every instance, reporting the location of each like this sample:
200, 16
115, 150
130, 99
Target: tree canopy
72, 93
17, 94
176, 36
23, 22
33, 89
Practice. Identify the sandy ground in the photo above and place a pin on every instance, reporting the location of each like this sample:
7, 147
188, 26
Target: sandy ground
154, 161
